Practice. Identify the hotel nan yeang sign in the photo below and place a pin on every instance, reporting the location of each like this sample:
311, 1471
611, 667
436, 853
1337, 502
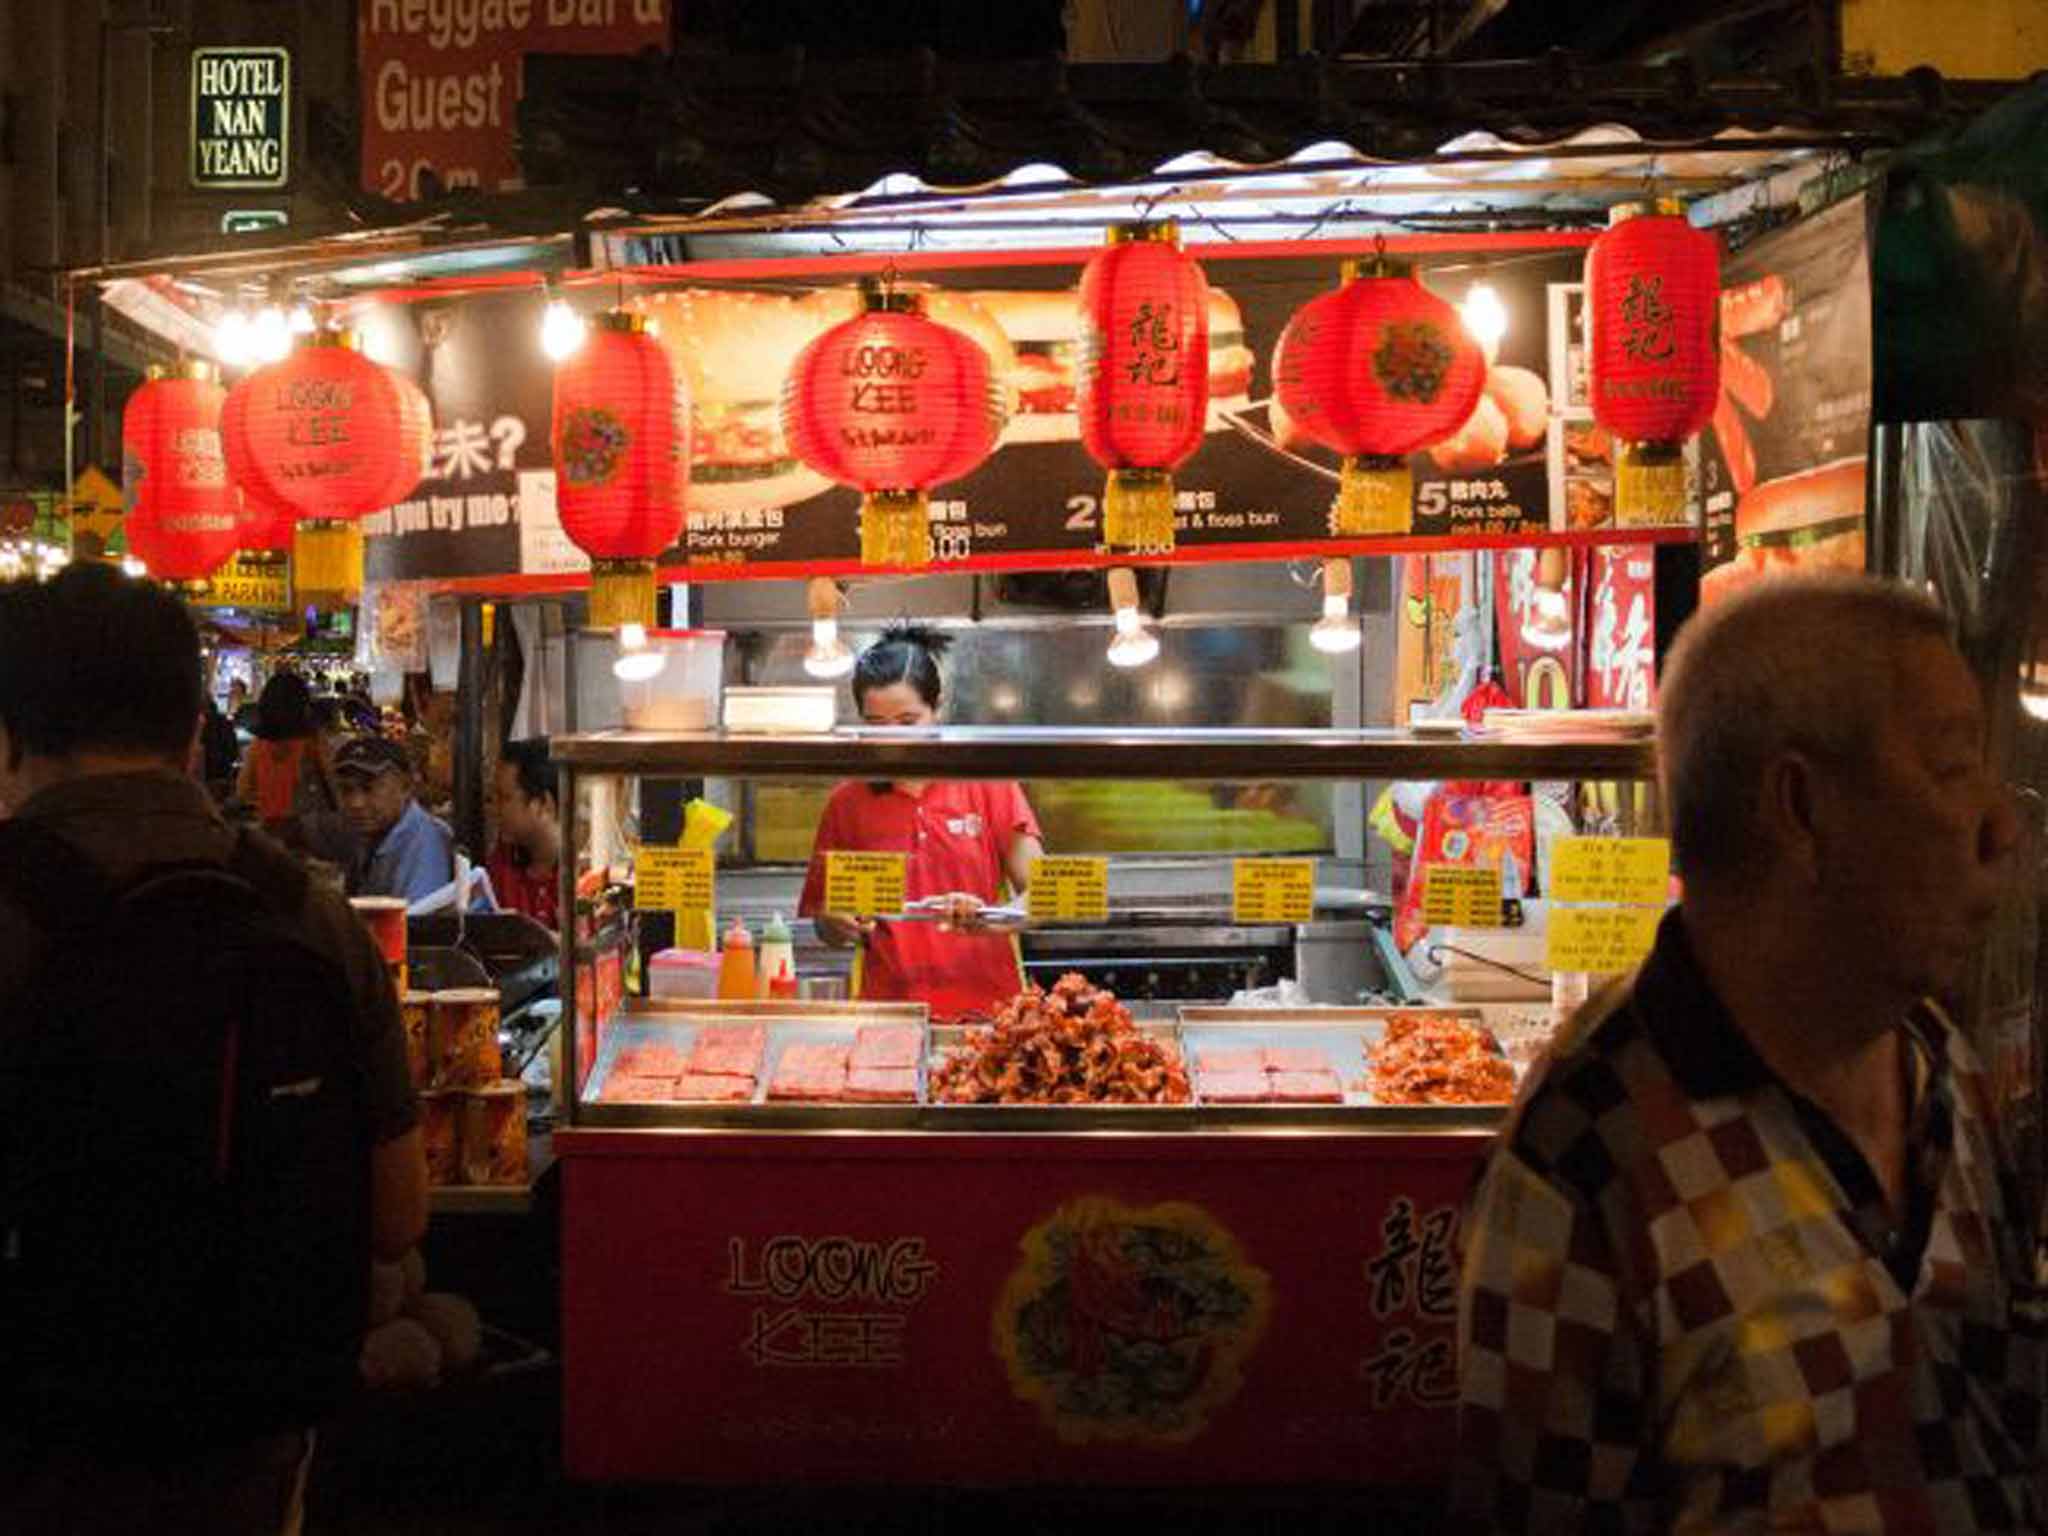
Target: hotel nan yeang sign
241, 117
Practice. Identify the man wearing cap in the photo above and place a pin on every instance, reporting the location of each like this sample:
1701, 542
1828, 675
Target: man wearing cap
410, 853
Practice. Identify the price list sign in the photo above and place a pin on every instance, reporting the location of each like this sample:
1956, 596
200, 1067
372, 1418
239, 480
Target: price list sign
1461, 895
864, 884
674, 880
1607, 896
1273, 890
1068, 890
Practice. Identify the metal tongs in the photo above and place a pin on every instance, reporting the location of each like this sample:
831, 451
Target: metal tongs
932, 909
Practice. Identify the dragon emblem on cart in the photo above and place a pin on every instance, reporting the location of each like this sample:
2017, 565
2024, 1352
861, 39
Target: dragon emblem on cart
1129, 1323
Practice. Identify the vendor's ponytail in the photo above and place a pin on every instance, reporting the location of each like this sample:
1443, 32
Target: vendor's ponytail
905, 653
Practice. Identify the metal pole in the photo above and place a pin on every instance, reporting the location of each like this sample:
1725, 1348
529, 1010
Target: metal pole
96, 438
469, 732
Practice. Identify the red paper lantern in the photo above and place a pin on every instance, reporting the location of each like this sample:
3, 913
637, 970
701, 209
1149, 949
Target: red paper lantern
180, 519
1377, 370
334, 436
892, 403
263, 527
1653, 303
1143, 397
622, 459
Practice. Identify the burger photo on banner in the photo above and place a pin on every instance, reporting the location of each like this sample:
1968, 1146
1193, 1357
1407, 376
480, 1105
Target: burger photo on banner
1785, 474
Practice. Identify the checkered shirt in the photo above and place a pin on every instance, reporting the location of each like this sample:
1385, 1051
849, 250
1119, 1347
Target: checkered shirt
1687, 1305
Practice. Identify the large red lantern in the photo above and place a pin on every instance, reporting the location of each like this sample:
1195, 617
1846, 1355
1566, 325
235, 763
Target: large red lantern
622, 459
1376, 370
1653, 300
1143, 397
263, 527
335, 436
892, 403
180, 519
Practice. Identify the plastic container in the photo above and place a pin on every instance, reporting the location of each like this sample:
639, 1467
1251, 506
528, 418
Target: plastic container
691, 973
736, 980
683, 695
777, 957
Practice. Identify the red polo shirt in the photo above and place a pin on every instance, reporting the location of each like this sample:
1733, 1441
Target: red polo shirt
956, 835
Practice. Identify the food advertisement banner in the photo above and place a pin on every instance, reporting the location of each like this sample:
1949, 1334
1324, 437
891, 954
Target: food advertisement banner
1785, 468
1254, 488
442, 81
1003, 1309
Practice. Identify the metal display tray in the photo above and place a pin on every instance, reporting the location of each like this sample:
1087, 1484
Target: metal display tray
676, 1022
1345, 1035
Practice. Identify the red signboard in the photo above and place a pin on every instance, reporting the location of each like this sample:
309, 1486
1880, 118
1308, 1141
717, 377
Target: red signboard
1140, 1310
442, 81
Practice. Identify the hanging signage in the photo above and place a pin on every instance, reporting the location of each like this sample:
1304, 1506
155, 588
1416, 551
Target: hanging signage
260, 588
441, 83
241, 117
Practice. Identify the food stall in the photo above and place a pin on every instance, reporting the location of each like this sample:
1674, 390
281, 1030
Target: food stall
1246, 1276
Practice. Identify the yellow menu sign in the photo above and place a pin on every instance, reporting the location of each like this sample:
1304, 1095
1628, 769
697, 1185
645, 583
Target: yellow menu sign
1273, 890
1463, 895
1066, 889
1600, 940
1628, 871
240, 585
673, 880
864, 884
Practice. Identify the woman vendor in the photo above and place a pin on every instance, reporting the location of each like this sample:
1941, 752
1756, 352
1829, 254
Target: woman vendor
965, 842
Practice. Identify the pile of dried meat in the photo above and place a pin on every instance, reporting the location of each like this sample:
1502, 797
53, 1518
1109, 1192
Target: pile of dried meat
1437, 1058
1073, 1045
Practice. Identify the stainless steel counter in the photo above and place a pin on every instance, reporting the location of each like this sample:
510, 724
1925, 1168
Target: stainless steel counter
993, 752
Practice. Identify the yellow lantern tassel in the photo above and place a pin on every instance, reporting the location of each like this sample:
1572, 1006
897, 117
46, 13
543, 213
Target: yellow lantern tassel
621, 592
1375, 495
1137, 512
1649, 485
895, 528
329, 560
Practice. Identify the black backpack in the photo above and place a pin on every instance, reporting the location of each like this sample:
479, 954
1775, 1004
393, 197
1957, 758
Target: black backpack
184, 1158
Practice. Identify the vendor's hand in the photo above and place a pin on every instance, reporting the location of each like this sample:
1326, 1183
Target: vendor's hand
842, 932
961, 914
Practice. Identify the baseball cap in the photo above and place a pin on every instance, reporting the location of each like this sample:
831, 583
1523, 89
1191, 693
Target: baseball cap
367, 756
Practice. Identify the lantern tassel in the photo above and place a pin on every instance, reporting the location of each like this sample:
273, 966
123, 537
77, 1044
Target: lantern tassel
895, 528
1375, 495
1137, 512
621, 593
1649, 485
329, 557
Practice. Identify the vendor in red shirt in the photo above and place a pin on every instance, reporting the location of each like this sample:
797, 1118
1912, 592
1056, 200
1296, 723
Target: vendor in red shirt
525, 865
964, 841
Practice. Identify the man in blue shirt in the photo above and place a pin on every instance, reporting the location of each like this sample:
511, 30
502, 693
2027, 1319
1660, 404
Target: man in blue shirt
411, 854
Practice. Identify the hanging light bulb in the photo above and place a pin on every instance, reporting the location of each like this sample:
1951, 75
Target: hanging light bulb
1485, 316
232, 342
270, 335
638, 661
1336, 631
130, 566
300, 322
1134, 644
1547, 624
561, 330
2034, 689
828, 656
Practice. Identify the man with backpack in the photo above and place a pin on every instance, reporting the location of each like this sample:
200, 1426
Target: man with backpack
207, 1129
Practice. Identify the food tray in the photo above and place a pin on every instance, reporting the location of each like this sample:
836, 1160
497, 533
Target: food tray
1345, 1035
946, 1038
677, 1023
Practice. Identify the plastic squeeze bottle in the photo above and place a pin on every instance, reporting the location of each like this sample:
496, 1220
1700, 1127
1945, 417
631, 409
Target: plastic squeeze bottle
777, 956
736, 965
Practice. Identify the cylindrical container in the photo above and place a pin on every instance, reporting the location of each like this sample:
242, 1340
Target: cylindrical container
466, 1051
416, 1012
384, 916
441, 1132
494, 1135
822, 989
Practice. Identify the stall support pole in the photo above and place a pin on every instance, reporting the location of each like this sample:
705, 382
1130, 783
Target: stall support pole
469, 732
570, 926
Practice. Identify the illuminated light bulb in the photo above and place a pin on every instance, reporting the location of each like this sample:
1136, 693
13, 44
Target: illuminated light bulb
561, 330
1485, 316
300, 322
2034, 700
828, 656
270, 335
638, 662
232, 342
1547, 623
1336, 631
134, 567
1134, 644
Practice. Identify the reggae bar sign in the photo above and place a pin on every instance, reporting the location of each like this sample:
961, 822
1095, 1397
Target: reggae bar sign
241, 117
